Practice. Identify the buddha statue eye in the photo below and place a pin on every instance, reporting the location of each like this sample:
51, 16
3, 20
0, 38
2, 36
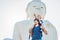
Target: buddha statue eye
38, 8
34, 6
41, 7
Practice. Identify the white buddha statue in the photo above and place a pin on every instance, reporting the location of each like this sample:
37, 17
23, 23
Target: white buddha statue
21, 29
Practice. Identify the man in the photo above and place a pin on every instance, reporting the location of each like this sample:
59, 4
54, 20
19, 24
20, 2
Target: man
42, 27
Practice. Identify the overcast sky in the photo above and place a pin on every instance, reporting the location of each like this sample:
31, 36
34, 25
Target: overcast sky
12, 11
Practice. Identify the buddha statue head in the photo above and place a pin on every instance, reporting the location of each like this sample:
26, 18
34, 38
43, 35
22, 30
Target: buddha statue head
36, 7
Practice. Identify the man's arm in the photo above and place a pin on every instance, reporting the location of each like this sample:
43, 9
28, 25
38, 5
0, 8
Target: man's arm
44, 30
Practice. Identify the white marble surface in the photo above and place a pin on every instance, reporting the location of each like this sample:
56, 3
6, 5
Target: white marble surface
22, 28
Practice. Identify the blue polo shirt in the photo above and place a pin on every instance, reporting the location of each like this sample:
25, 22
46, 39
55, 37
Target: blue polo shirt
37, 33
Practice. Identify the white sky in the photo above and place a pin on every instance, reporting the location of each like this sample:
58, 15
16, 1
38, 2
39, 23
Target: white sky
12, 11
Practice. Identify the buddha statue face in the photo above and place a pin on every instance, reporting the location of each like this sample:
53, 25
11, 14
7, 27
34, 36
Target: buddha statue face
36, 7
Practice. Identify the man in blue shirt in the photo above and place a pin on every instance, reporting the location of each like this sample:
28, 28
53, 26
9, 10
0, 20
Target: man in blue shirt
36, 28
